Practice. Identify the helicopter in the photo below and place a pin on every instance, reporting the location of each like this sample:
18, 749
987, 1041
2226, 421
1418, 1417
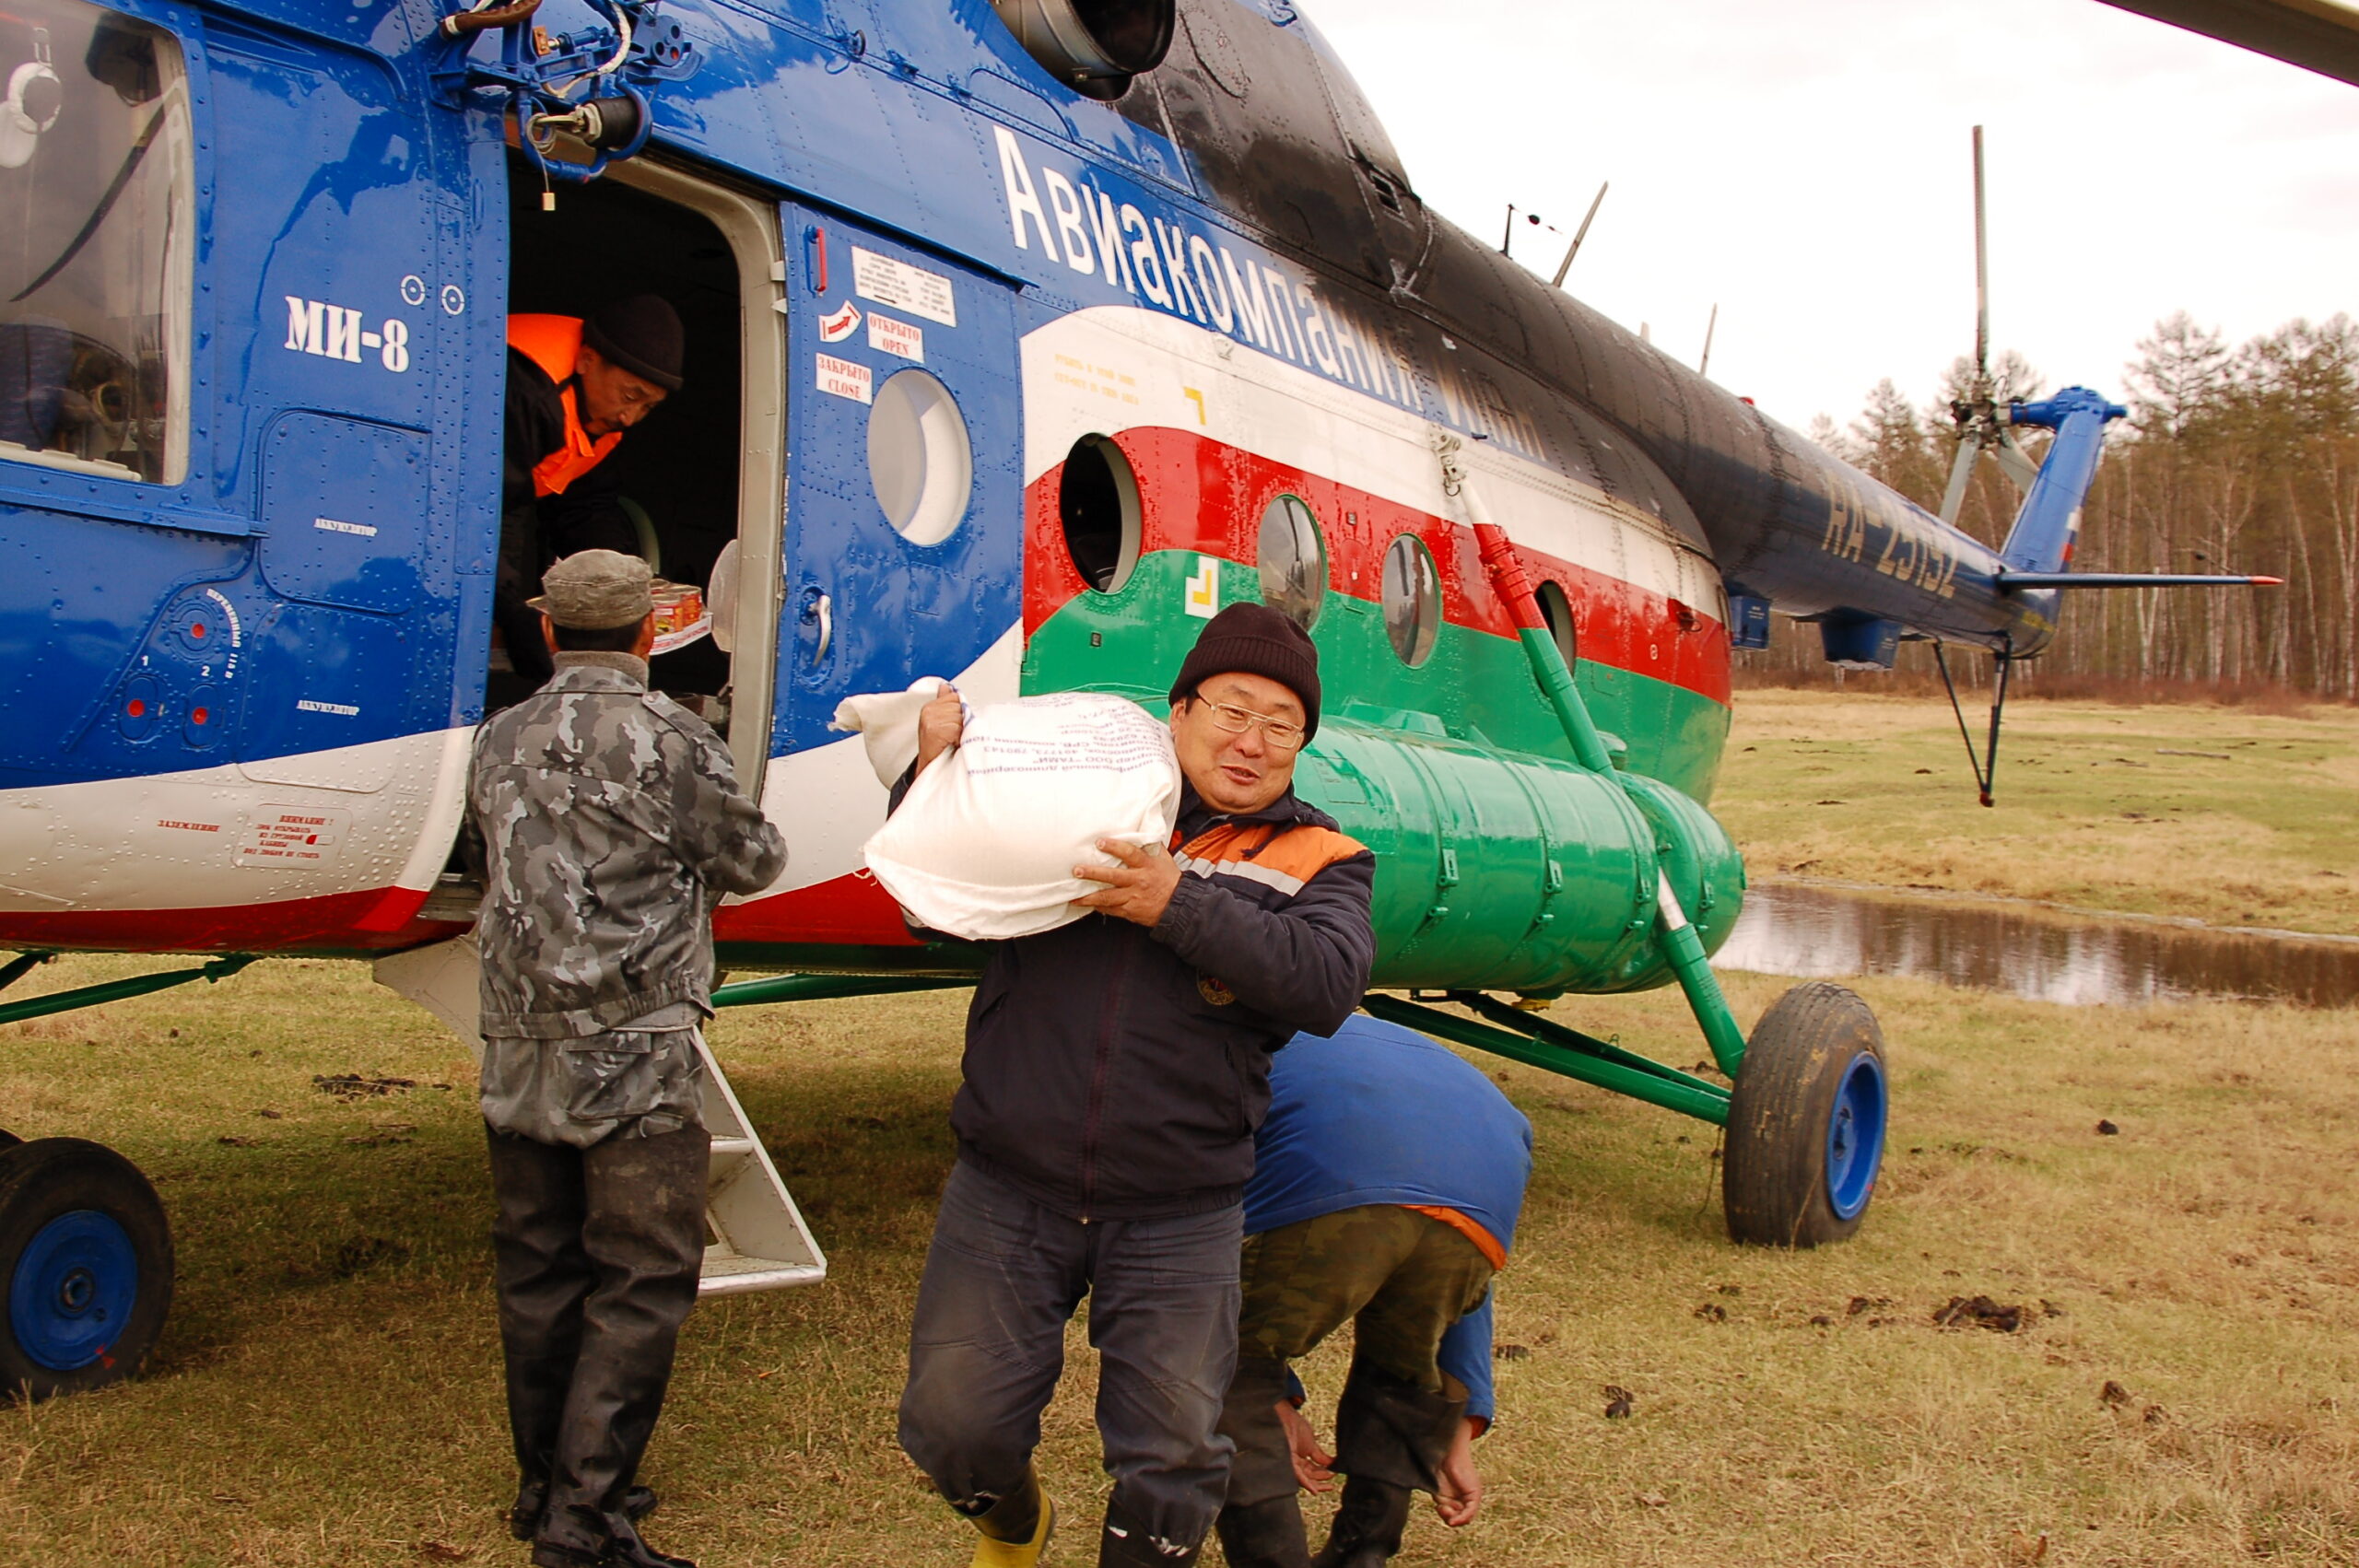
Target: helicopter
1022, 335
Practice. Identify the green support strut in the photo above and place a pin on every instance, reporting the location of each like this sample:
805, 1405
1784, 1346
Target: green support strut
1679, 943
116, 990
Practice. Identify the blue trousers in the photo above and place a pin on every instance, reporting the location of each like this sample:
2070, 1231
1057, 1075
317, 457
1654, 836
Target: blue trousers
1002, 1277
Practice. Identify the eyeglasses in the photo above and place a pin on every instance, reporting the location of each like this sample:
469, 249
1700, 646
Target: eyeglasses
1285, 735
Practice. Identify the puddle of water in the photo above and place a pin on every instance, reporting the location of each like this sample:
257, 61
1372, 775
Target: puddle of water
1816, 932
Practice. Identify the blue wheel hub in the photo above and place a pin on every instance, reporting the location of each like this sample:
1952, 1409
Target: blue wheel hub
73, 1291
1855, 1137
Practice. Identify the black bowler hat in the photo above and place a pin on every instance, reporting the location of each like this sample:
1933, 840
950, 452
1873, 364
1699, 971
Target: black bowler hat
1260, 641
641, 334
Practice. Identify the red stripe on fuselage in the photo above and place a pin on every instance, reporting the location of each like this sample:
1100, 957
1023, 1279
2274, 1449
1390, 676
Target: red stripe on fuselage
1196, 494
854, 910
336, 923
849, 910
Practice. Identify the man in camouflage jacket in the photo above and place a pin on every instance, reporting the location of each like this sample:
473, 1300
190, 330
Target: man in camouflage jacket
612, 824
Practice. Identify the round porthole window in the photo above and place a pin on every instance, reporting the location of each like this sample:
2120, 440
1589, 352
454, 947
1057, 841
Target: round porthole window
920, 460
1292, 561
1411, 599
1556, 609
1098, 498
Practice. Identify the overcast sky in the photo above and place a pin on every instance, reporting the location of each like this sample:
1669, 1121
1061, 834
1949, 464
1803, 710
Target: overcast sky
1806, 164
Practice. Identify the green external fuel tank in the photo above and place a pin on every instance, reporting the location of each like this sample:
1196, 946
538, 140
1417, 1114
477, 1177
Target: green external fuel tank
1505, 871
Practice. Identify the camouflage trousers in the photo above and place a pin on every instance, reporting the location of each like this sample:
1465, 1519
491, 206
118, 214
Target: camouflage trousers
1399, 1277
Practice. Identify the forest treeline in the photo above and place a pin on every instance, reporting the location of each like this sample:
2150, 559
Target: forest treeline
2240, 459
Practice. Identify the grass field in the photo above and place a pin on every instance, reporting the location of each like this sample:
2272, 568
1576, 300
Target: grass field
327, 1391
2100, 806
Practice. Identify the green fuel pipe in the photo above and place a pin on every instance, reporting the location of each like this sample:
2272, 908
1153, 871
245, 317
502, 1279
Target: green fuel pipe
1681, 947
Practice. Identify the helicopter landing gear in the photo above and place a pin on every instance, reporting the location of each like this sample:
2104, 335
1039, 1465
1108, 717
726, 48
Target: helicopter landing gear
1806, 1122
86, 1266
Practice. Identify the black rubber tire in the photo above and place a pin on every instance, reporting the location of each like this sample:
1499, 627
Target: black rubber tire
1773, 1172
48, 1177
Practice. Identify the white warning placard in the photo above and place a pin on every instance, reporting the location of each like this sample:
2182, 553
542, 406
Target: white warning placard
903, 287
292, 837
904, 338
844, 378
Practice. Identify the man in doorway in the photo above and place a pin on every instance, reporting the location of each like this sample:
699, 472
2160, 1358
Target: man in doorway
613, 824
1385, 1185
575, 385
1115, 1070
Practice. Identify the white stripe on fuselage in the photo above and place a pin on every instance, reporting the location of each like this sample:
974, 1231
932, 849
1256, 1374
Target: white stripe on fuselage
1113, 368
349, 820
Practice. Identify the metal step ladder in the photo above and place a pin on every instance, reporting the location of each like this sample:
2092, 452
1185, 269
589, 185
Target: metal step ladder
758, 1239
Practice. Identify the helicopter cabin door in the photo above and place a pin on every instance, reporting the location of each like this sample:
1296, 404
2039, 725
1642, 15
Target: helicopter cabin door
905, 499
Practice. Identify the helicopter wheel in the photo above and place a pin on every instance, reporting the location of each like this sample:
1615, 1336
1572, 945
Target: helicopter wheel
86, 1255
1806, 1122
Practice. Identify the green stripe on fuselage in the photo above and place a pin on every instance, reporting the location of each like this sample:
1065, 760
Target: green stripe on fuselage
1474, 686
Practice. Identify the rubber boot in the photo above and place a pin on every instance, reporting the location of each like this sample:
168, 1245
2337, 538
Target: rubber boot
1267, 1534
1368, 1525
1125, 1543
1261, 1523
1393, 1431
533, 1500
643, 1231
1390, 1438
1016, 1529
626, 1550
543, 1277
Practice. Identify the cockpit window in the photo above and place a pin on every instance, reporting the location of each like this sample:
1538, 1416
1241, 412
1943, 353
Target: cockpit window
96, 220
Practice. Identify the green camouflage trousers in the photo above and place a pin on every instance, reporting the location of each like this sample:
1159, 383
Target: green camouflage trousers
1403, 1278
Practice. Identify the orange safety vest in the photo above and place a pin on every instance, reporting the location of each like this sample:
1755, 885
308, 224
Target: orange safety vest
554, 342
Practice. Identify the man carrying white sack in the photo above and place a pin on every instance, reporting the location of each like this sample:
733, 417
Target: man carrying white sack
1116, 1069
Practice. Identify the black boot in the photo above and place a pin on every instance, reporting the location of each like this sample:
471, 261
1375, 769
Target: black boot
643, 1231
543, 1277
625, 1549
1124, 1543
1368, 1525
1390, 1438
1267, 1534
1261, 1525
1393, 1431
533, 1500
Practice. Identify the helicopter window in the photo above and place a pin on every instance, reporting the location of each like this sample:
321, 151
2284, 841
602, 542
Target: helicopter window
1293, 560
95, 183
1556, 609
1412, 599
1098, 498
919, 459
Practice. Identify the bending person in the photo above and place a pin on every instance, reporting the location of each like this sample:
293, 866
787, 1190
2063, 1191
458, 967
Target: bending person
1385, 1190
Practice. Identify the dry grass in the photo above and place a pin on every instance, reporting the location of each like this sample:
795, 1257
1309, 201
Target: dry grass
327, 1391
2099, 806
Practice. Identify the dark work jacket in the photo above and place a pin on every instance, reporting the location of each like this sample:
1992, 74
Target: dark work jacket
1118, 1073
584, 517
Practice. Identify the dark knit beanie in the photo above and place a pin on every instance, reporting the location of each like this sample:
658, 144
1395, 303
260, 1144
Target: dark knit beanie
1260, 641
641, 334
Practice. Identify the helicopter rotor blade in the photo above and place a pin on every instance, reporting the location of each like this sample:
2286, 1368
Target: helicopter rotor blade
1960, 476
1981, 272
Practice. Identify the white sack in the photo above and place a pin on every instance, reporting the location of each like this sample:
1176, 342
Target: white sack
888, 725
984, 845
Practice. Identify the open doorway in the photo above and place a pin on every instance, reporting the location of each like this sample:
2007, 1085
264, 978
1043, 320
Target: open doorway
697, 483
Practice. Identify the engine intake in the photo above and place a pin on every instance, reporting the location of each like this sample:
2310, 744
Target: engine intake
1096, 46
